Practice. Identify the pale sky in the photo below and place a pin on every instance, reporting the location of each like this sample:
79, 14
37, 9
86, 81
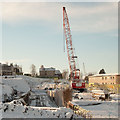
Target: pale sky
32, 33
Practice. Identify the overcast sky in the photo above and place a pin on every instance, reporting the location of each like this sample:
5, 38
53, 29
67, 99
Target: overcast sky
33, 34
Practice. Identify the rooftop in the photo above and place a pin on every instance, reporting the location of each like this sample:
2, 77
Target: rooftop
47, 69
100, 75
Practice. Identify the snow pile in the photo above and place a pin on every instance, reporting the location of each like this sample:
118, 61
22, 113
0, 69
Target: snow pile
115, 97
18, 84
84, 96
35, 82
16, 109
7, 93
7, 90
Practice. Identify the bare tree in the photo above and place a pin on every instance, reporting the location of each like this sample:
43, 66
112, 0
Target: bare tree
33, 70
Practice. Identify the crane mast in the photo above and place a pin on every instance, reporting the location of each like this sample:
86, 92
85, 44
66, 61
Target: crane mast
74, 72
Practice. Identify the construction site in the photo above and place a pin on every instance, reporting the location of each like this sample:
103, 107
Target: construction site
73, 98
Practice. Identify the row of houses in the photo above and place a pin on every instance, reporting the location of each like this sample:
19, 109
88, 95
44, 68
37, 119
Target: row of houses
11, 69
51, 72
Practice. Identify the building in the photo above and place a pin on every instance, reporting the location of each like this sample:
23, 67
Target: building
18, 70
58, 74
49, 72
46, 72
105, 79
6, 69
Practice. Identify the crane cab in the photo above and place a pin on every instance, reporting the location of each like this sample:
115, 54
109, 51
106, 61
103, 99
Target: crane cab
78, 84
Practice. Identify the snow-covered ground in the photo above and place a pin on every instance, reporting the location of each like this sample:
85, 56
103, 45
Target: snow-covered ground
18, 84
104, 110
35, 82
16, 109
24, 84
115, 97
98, 108
6, 93
40, 98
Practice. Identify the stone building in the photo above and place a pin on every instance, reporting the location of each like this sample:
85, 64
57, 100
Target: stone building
18, 69
105, 79
6, 69
48, 72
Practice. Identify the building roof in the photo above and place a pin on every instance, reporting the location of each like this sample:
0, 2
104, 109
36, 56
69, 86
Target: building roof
57, 72
102, 75
47, 69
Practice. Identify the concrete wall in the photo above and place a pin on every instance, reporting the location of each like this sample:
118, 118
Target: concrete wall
59, 98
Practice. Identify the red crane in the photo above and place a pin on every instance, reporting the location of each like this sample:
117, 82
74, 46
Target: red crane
77, 83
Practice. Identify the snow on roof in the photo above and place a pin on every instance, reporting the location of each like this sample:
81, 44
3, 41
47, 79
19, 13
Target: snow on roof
100, 75
47, 69
57, 72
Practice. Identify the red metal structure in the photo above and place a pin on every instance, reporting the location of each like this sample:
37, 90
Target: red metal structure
77, 83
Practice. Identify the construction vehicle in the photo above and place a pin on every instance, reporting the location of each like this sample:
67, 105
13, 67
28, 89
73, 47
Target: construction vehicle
76, 82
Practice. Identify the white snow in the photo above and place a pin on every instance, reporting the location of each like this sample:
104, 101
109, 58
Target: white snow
115, 97
7, 91
84, 95
15, 109
98, 108
104, 109
47, 69
57, 72
110, 74
18, 84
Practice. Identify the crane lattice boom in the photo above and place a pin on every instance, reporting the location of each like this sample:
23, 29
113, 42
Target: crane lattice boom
70, 50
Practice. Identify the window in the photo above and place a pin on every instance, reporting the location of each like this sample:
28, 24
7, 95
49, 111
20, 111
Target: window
102, 78
105, 77
113, 77
45, 72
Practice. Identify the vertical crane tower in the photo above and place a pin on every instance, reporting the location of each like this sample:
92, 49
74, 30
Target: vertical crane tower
77, 83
